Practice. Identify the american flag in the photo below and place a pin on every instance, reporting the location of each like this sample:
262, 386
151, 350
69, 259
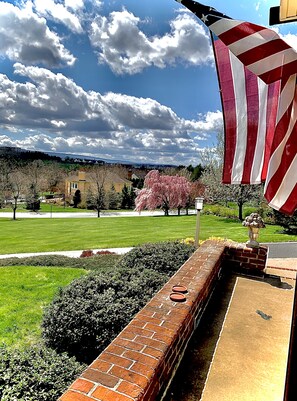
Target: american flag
257, 76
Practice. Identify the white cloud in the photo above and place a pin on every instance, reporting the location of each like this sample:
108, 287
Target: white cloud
25, 37
145, 147
127, 50
291, 39
56, 114
59, 13
74, 4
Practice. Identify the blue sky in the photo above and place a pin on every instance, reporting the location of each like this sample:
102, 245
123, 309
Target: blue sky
122, 80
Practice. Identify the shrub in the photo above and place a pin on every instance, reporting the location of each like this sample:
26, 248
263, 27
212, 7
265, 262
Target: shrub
289, 223
221, 211
33, 205
164, 257
105, 252
89, 313
87, 253
35, 373
188, 241
96, 262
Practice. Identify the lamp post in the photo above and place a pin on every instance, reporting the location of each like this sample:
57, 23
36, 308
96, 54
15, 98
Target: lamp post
198, 207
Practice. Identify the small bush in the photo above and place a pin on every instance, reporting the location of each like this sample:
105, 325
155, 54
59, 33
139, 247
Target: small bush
89, 313
221, 211
87, 253
164, 257
35, 373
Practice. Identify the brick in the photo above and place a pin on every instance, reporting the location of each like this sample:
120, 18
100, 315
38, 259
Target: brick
152, 391
101, 365
134, 330
140, 357
152, 342
142, 369
115, 359
127, 344
83, 386
242, 259
137, 321
128, 375
147, 319
127, 334
114, 348
159, 329
129, 389
262, 257
153, 352
104, 394
162, 337
73, 396
146, 311
100, 377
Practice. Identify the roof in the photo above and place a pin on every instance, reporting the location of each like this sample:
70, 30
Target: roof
110, 178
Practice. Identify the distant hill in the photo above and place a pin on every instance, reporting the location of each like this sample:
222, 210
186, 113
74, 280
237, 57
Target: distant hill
11, 152
77, 157
28, 155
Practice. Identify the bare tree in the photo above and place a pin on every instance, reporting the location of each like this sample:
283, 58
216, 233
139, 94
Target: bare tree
216, 191
17, 186
35, 182
3, 181
54, 177
96, 193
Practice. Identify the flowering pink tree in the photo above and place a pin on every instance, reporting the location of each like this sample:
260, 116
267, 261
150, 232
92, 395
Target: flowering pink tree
164, 191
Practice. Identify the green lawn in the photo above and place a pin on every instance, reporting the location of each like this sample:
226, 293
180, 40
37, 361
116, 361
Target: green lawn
38, 235
24, 291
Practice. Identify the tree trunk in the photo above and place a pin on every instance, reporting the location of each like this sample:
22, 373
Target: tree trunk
98, 212
14, 208
240, 209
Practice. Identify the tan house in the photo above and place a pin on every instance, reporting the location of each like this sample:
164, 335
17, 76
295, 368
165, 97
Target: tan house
83, 181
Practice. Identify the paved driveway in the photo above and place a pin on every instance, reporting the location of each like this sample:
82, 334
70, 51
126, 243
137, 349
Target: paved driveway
38, 215
280, 250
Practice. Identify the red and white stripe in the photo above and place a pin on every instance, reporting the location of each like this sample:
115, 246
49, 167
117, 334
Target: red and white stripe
281, 181
249, 108
260, 49
260, 117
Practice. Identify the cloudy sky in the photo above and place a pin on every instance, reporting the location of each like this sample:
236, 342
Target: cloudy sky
118, 79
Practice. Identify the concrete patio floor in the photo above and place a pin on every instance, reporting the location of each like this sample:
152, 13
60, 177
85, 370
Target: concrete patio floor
239, 351
250, 359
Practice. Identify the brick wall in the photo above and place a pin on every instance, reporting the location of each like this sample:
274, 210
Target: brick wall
140, 362
245, 260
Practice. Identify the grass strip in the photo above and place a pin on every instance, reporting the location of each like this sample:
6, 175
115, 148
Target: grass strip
24, 292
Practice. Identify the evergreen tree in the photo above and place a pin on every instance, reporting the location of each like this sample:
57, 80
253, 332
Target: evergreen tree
76, 198
113, 198
125, 202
